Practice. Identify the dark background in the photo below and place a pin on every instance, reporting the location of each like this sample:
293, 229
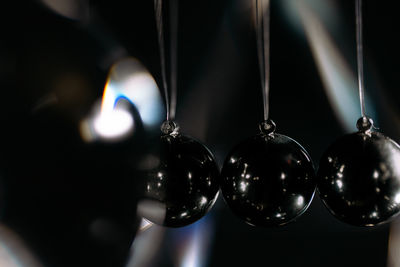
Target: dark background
53, 184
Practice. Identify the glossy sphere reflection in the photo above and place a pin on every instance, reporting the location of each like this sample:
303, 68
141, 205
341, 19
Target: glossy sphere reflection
359, 178
268, 180
183, 185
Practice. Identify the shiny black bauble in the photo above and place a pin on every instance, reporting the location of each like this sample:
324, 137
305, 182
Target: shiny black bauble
268, 180
359, 178
181, 184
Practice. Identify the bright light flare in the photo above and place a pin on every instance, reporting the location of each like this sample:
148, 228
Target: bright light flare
110, 124
113, 120
113, 124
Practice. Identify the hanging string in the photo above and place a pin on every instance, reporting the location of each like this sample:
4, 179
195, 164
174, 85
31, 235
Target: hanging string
170, 92
174, 55
263, 45
360, 64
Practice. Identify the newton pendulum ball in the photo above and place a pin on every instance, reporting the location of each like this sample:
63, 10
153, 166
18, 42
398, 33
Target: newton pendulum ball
183, 186
359, 177
269, 179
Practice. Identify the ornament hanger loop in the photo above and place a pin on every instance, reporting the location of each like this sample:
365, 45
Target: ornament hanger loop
170, 92
365, 124
267, 127
170, 128
263, 47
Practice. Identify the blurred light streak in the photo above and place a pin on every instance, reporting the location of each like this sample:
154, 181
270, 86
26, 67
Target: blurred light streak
146, 245
13, 252
393, 259
47, 100
72, 9
194, 243
327, 11
113, 121
339, 80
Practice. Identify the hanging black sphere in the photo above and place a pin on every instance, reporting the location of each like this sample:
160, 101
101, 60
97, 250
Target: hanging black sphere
359, 177
269, 179
182, 185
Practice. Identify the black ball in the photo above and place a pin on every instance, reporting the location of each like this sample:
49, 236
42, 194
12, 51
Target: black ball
181, 184
359, 178
268, 180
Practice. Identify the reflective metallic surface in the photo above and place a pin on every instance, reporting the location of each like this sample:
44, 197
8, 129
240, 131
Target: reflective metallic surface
268, 180
359, 178
183, 184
